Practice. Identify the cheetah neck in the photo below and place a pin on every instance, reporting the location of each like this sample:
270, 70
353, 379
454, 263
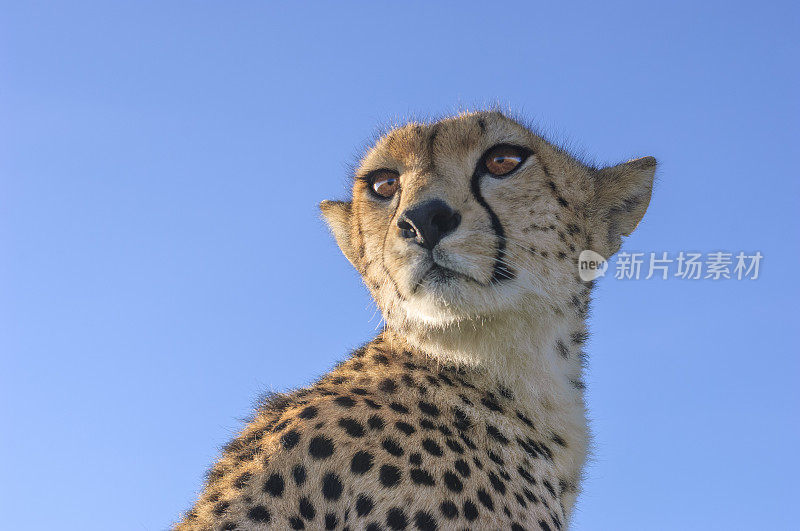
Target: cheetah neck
536, 353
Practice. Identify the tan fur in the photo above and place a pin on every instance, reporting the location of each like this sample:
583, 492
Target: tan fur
522, 335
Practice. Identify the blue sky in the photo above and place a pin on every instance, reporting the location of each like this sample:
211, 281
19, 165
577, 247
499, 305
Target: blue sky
162, 261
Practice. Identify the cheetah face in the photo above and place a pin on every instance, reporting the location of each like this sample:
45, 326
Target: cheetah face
476, 215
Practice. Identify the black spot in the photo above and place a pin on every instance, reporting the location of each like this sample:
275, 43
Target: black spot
462, 421
562, 348
425, 521
360, 391
505, 392
491, 404
432, 447
486, 499
446, 380
407, 380
467, 440
320, 447
228, 526
470, 510
309, 412
543, 525
396, 518
549, 487
352, 427
466, 400
415, 458
400, 408
516, 527
535, 448
375, 422
258, 513
556, 438
307, 510
331, 486
453, 445
452, 482
496, 458
579, 337
242, 480
299, 473
296, 523
280, 426
496, 435
529, 495
391, 446
221, 507
363, 505
526, 475
525, 419
448, 509
290, 439
447, 432
520, 500
428, 408
357, 365
389, 475
405, 427
420, 477
372, 404
372, 526
387, 385
361, 462
380, 359
274, 485
344, 401
426, 424
330, 521
462, 467
497, 483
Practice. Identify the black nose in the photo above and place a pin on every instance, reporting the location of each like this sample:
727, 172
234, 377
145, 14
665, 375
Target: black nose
427, 223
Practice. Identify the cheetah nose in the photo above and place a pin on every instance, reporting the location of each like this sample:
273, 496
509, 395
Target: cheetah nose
428, 222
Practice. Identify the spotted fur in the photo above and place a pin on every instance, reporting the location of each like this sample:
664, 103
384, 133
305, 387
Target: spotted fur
467, 411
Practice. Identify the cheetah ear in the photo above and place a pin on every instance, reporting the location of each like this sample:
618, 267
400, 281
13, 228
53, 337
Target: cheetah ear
337, 214
622, 194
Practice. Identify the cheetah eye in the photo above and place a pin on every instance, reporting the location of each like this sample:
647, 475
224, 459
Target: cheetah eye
504, 159
384, 183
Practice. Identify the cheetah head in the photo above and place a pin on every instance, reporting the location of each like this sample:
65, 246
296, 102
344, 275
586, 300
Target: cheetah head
476, 215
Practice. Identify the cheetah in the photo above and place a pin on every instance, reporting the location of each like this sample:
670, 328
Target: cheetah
467, 410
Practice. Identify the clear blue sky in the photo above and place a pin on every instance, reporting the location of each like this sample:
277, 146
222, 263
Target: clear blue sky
162, 260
